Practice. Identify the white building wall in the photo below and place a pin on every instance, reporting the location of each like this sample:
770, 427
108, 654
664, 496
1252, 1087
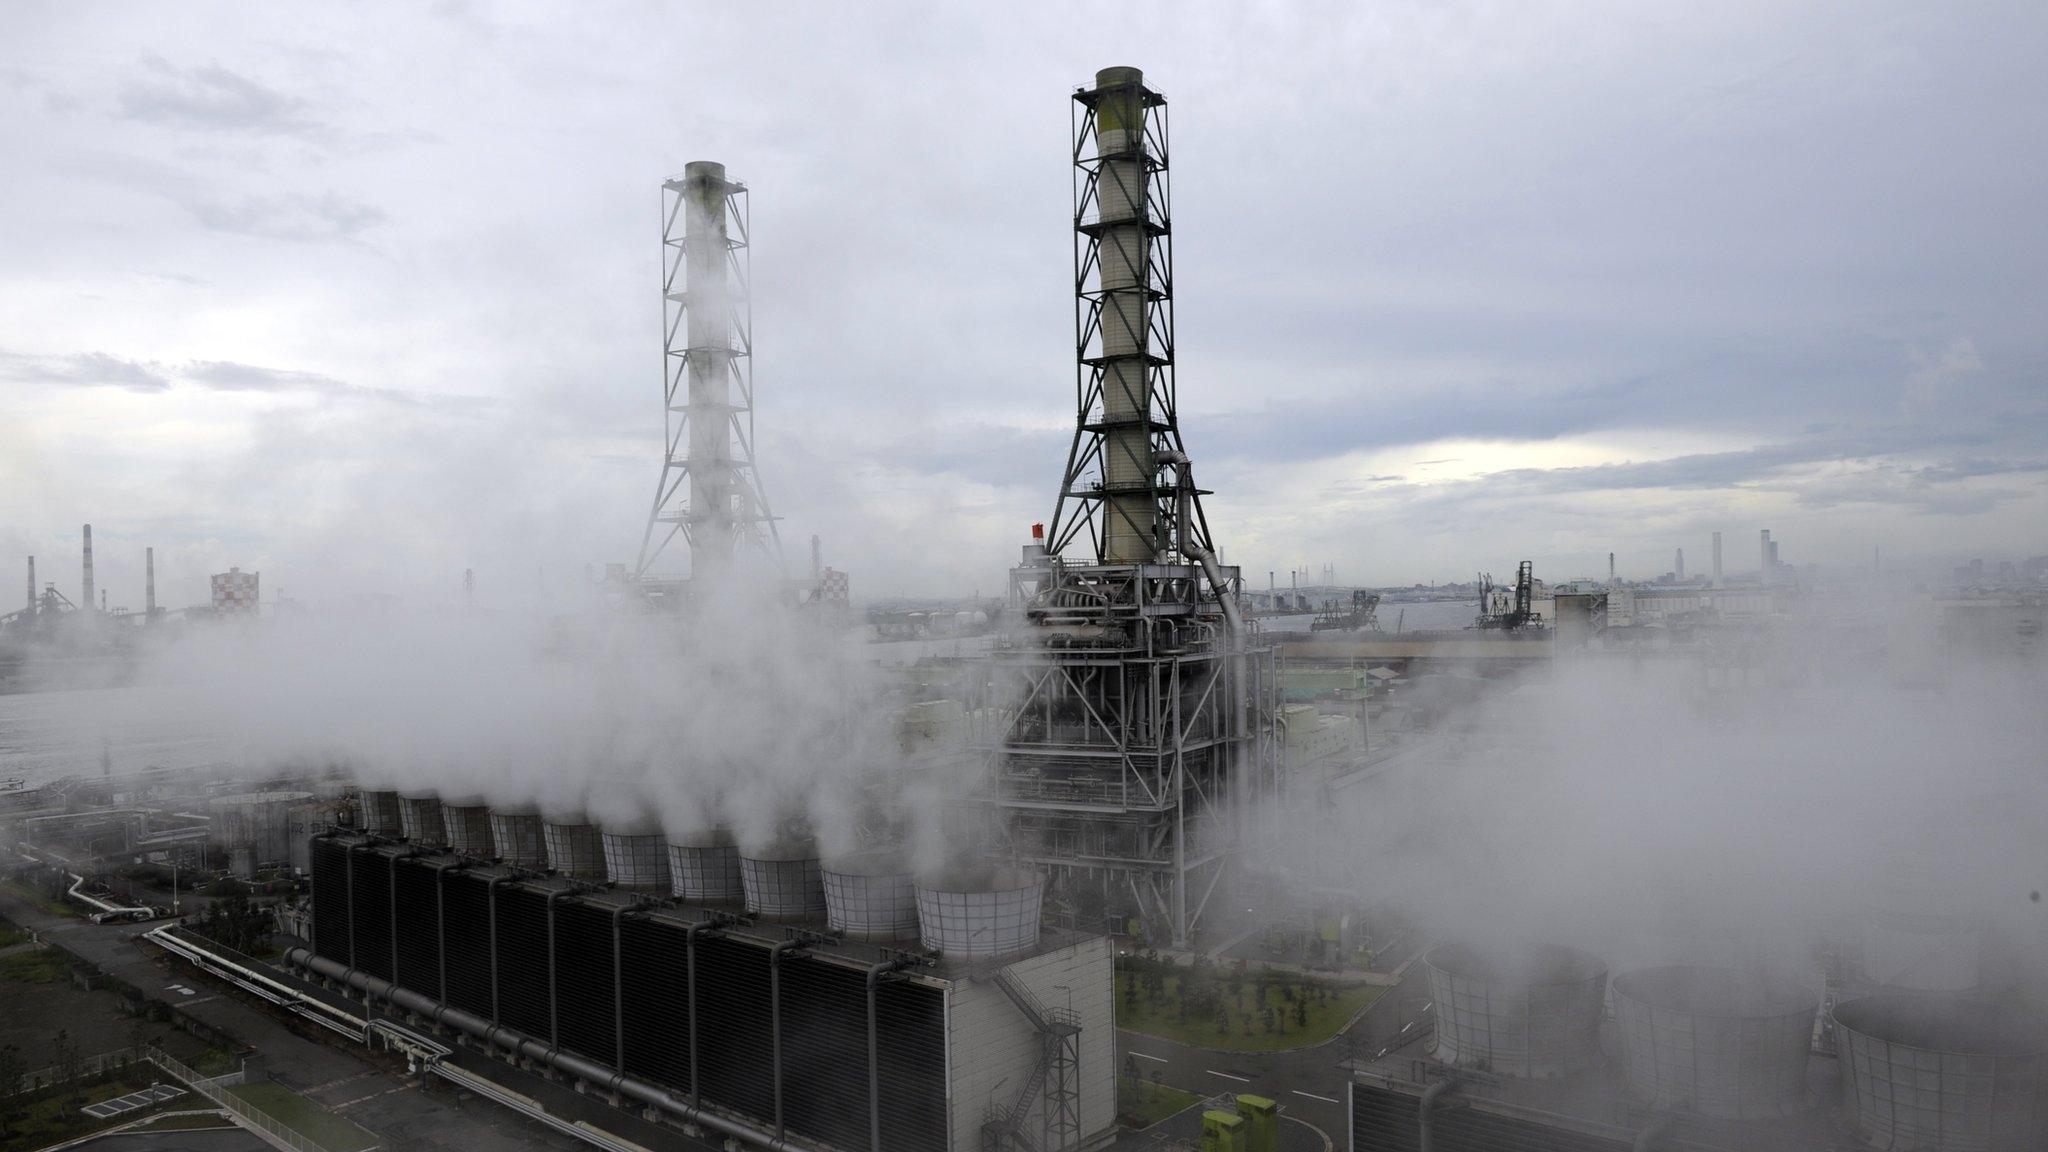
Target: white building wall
992, 1048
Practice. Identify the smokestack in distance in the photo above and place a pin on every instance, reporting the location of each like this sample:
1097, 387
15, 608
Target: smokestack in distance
1610, 567
31, 585
1680, 564
1763, 574
87, 603
1717, 559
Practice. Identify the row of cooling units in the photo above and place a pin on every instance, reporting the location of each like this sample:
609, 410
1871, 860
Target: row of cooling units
1713, 1057
806, 1005
871, 896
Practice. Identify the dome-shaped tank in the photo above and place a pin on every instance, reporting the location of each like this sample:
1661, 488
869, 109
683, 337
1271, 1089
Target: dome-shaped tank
871, 896
1714, 1041
636, 855
419, 817
1532, 1011
516, 833
704, 867
468, 822
381, 813
1933, 1073
974, 916
781, 881
575, 848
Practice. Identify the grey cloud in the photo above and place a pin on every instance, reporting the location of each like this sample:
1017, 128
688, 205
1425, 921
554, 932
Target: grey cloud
83, 369
228, 376
290, 217
209, 96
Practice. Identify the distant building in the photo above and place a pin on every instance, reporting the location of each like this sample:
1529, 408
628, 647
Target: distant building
236, 593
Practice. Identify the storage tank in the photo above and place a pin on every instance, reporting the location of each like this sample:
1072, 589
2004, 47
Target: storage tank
1531, 1011
575, 848
1714, 1041
255, 827
467, 820
636, 855
704, 866
380, 813
419, 817
1938, 1073
516, 833
871, 896
781, 881
976, 915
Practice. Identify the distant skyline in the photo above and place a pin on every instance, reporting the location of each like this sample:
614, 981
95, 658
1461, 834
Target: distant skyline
365, 296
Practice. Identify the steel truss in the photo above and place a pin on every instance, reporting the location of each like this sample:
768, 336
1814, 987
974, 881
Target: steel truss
710, 490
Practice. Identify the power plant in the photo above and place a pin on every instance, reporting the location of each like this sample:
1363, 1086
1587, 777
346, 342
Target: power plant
945, 898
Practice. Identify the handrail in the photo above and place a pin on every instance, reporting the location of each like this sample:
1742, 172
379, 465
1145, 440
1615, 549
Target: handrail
272, 1130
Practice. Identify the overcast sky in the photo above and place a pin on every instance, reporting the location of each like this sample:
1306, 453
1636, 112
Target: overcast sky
362, 295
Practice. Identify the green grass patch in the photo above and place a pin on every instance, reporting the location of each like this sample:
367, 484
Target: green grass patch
55, 907
35, 966
9, 937
310, 1120
1142, 1103
53, 1115
1245, 1024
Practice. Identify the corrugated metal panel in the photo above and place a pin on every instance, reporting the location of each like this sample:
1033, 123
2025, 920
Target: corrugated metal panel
370, 911
912, 1046
330, 900
419, 929
825, 1052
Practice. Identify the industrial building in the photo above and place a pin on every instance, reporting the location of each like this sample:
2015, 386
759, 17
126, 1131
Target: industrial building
908, 1015
1131, 713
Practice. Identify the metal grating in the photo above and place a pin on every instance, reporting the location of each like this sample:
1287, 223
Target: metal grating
419, 817
465, 904
330, 900
654, 963
735, 1057
523, 962
586, 1010
783, 889
419, 927
469, 830
574, 849
369, 909
974, 925
517, 838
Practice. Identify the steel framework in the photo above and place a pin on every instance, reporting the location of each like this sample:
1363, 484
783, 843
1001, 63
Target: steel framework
1130, 711
710, 490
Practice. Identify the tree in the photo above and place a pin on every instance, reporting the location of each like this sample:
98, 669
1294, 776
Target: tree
1222, 1020
1235, 983
65, 1050
1301, 1012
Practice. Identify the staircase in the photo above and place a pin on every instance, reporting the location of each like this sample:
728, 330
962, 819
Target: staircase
1054, 1080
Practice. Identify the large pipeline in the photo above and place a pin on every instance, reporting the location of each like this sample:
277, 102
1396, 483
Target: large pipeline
522, 1045
1183, 529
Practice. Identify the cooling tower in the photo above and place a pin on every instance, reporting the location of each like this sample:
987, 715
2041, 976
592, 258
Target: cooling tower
704, 867
420, 818
782, 882
636, 855
980, 916
871, 896
575, 848
255, 827
1714, 1041
468, 823
1931, 1073
381, 813
1531, 1012
516, 832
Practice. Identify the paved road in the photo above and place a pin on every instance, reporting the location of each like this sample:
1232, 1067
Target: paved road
1306, 1082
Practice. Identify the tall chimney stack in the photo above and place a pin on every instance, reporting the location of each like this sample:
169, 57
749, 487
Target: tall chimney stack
1679, 570
1610, 567
1764, 556
31, 585
148, 584
1717, 559
87, 603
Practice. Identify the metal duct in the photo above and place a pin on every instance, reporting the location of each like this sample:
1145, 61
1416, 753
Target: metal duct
637, 859
516, 833
871, 897
575, 848
783, 882
704, 867
468, 825
381, 816
419, 817
979, 917
1714, 1041
1936, 1073
1533, 1012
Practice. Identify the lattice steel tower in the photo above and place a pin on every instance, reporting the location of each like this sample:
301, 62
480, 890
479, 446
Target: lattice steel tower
1135, 726
710, 491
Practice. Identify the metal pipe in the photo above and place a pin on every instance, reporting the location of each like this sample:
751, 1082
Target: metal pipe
522, 1045
554, 1008
618, 988
1183, 529
690, 989
775, 955
491, 898
875, 974
1425, 1114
